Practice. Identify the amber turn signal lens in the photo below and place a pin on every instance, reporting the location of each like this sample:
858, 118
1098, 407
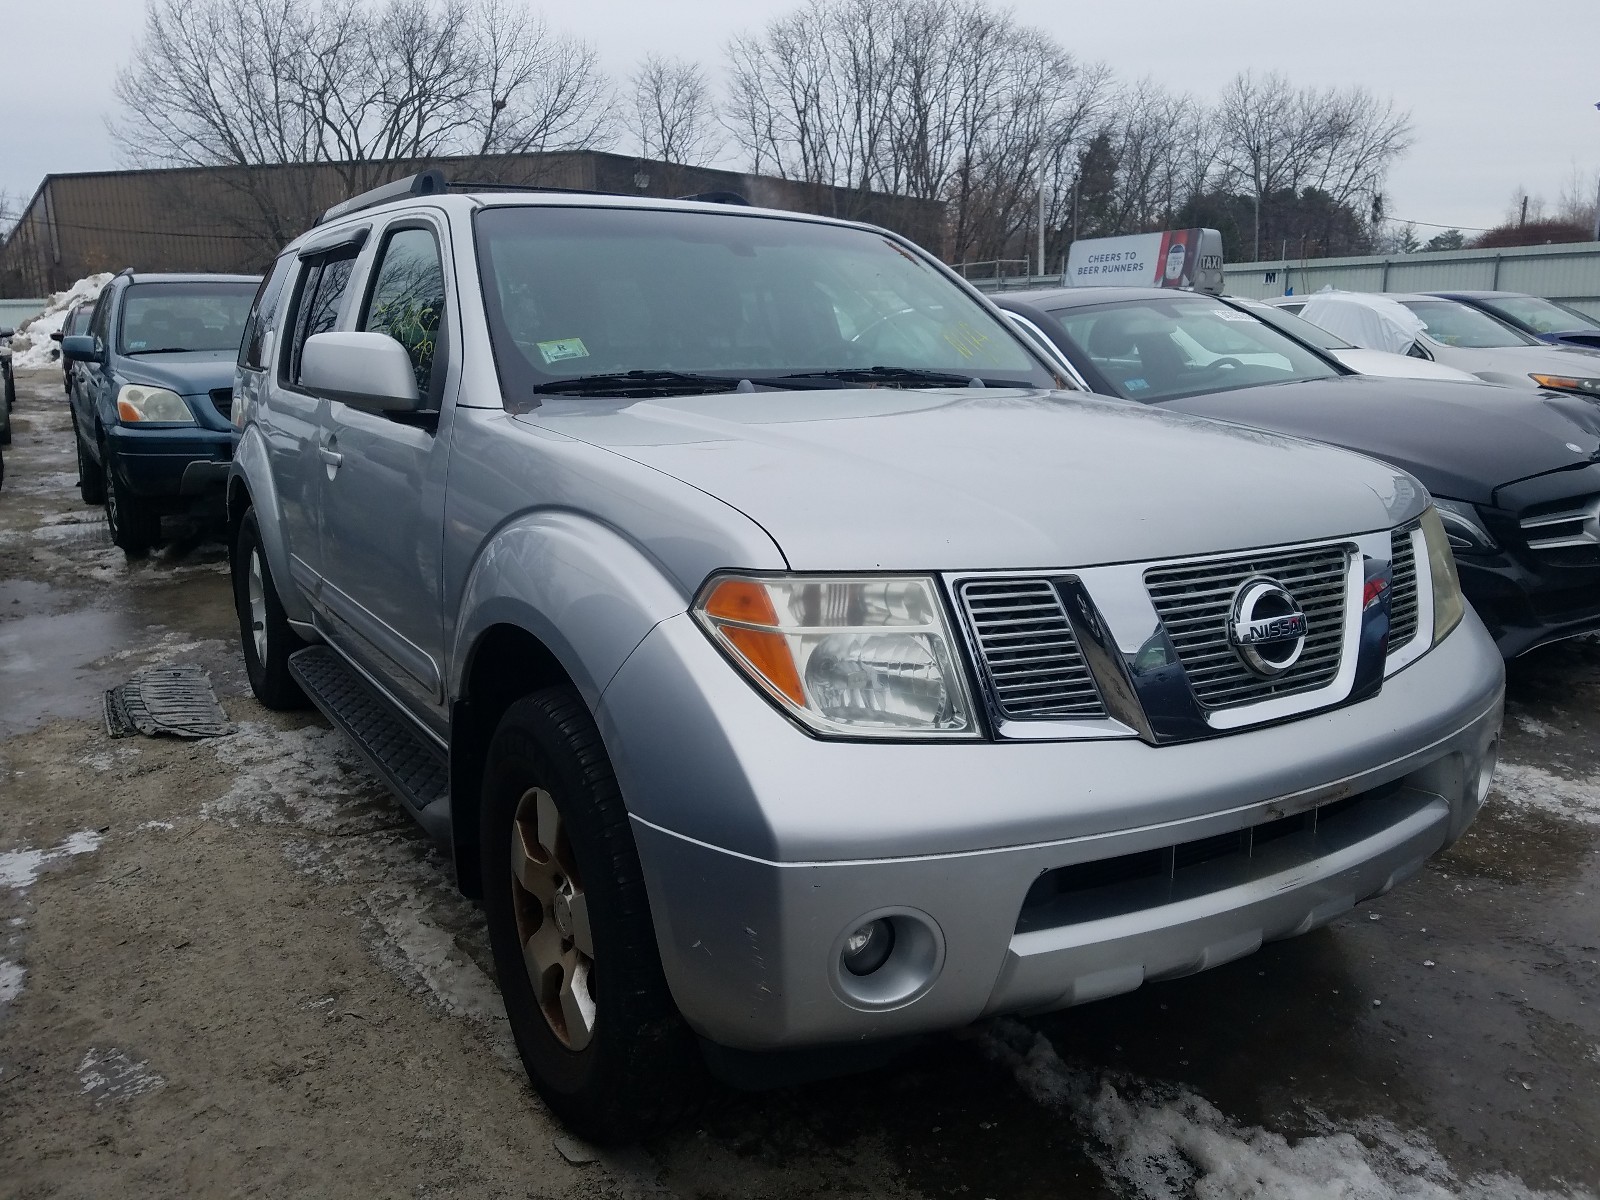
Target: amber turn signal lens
767, 651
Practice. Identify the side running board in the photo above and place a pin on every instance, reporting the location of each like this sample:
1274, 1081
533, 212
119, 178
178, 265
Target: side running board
416, 769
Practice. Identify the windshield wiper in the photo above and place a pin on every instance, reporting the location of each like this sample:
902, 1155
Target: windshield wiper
911, 376
628, 383
158, 350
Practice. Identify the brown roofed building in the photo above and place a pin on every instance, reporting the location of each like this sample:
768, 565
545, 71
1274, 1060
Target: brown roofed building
237, 218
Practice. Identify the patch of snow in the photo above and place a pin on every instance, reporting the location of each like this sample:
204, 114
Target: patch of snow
1535, 788
33, 346
1532, 725
1167, 1143
310, 777
20, 868
353, 834
113, 1075
153, 825
11, 977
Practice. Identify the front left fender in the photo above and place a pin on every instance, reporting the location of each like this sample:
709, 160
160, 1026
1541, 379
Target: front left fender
587, 593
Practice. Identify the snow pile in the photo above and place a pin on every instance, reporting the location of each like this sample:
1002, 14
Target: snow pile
1530, 787
1172, 1144
33, 344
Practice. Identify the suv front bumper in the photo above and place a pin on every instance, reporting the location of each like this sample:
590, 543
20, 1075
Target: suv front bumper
172, 461
1018, 876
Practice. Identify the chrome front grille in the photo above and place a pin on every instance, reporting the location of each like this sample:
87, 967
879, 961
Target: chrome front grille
1027, 651
1194, 601
1402, 589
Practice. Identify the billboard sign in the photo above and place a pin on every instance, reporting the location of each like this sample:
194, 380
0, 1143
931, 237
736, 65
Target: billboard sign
1178, 258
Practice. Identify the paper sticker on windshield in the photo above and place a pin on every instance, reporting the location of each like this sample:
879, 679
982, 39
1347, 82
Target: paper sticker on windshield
1135, 385
1228, 314
563, 348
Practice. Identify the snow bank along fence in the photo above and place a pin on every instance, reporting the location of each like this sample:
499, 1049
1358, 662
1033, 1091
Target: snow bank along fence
1568, 273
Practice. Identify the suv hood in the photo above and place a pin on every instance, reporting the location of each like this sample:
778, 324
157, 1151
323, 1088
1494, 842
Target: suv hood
188, 372
868, 479
1461, 440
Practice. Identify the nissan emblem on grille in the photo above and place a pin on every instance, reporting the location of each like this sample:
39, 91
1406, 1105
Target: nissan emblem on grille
1266, 627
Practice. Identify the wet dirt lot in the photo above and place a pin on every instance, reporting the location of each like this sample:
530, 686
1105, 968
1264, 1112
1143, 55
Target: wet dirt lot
235, 967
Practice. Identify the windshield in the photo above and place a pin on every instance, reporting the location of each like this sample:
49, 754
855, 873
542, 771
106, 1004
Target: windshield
159, 317
1297, 327
1455, 324
582, 292
1542, 316
1159, 349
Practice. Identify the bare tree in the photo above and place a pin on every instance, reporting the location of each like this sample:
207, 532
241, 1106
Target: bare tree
11, 208
671, 113
248, 84
1278, 139
936, 99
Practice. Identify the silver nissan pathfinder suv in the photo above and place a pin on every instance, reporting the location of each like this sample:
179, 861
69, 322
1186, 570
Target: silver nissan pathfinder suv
789, 662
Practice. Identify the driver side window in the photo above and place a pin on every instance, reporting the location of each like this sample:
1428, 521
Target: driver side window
407, 303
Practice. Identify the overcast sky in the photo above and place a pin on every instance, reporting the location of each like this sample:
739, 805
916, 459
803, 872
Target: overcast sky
1501, 93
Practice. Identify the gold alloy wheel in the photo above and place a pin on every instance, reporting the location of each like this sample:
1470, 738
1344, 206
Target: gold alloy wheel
552, 918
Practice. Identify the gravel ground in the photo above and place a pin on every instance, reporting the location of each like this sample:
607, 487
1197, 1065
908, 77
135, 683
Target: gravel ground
234, 967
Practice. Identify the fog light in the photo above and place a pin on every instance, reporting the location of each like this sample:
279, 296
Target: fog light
869, 947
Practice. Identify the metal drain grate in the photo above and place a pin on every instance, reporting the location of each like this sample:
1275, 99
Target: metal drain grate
171, 701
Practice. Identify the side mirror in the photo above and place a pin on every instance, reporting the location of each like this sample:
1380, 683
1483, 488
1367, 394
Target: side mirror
81, 347
366, 370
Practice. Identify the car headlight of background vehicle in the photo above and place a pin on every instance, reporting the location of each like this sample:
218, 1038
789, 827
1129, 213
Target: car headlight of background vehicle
1465, 528
846, 656
1448, 604
1569, 383
136, 403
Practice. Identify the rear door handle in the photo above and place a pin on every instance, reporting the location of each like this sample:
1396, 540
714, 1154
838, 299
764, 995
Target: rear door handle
330, 457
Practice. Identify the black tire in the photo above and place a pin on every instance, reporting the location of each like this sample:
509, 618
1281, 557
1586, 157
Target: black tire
91, 478
135, 523
640, 1070
10, 403
268, 667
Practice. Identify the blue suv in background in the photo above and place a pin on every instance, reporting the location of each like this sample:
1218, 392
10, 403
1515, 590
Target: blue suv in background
152, 400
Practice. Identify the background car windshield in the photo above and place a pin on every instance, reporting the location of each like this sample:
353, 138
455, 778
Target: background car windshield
1457, 325
183, 316
1297, 327
582, 291
1546, 316
1159, 349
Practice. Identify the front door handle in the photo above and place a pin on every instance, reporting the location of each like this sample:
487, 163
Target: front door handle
330, 457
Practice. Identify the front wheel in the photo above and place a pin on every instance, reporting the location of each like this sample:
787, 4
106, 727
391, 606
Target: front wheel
91, 478
264, 632
135, 524
574, 947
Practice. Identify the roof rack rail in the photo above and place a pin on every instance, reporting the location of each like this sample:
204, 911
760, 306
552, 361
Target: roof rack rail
723, 197
424, 183
486, 185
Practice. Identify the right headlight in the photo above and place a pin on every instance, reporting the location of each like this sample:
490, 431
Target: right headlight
866, 656
1448, 604
136, 403
1464, 527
